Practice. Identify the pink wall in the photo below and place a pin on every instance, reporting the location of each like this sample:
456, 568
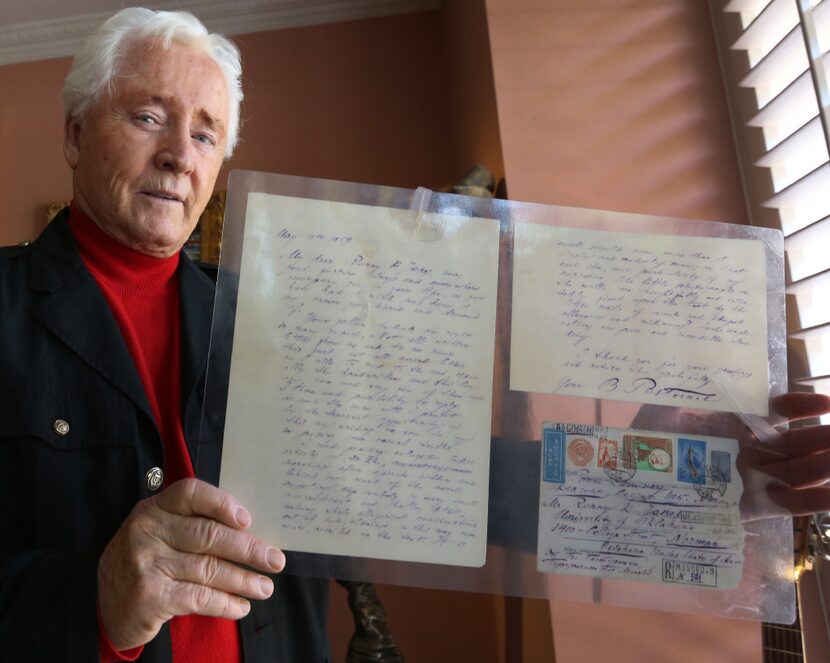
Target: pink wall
618, 105
366, 101
475, 122
33, 172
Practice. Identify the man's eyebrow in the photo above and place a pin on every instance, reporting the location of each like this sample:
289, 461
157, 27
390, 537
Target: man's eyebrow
212, 122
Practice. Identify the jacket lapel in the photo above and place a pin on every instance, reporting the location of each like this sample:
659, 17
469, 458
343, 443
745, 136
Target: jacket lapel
72, 307
197, 293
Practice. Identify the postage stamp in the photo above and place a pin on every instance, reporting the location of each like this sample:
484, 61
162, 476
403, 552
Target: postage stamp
721, 463
653, 454
614, 461
691, 460
553, 456
608, 453
580, 451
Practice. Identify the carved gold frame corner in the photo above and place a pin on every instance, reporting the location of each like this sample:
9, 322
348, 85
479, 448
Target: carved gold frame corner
53, 209
210, 228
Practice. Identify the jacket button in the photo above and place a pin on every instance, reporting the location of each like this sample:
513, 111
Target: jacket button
154, 478
60, 426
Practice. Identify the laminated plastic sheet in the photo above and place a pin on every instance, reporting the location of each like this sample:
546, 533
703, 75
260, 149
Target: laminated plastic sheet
374, 414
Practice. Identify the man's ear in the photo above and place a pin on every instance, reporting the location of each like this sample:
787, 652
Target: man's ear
72, 142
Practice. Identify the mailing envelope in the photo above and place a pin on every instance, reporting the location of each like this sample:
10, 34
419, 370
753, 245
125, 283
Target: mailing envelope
640, 505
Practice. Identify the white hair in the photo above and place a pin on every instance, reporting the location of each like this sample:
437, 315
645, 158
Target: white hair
97, 63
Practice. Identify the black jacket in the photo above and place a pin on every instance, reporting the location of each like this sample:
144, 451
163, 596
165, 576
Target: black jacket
64, 493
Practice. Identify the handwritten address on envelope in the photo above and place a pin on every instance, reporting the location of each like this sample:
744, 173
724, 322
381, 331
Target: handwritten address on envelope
640, 505
646, 318
358, 419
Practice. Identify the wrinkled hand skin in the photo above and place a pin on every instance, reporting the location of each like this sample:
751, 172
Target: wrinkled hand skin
786, 474
178, 553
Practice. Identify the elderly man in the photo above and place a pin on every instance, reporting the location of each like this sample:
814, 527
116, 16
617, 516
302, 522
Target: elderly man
113, 548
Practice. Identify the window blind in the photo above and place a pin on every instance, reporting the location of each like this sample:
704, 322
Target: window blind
776, 58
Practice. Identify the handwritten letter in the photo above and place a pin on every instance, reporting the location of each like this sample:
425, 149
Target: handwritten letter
645, 318
359, 401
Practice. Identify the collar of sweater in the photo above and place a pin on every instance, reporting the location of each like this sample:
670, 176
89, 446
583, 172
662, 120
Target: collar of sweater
120, 267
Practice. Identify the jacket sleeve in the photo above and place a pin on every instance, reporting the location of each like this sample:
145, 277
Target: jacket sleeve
47, 606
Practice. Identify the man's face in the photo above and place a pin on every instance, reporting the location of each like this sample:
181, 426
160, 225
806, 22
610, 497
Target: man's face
147, 154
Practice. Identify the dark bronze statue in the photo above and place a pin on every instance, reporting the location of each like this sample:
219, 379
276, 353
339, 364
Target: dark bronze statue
371, 641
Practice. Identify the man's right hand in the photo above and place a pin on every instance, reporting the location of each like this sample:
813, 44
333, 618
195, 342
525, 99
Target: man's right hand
177, 553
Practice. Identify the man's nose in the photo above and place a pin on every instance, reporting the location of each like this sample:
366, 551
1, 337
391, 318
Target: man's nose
175, 153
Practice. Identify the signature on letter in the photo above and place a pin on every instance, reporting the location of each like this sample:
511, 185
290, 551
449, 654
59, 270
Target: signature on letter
650, 386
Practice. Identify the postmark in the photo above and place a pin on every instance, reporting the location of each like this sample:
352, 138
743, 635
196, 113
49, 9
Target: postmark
580, 451
652, 454
713, 486
617, 465
691, 460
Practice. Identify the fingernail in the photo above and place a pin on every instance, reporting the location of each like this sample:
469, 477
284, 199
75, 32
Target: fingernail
244, 606
276, 559
266, 585
243, 517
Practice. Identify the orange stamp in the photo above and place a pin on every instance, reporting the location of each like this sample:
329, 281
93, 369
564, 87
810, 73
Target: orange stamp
580, 451
608, 453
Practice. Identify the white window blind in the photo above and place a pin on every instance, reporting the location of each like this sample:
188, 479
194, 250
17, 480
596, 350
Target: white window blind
776, 60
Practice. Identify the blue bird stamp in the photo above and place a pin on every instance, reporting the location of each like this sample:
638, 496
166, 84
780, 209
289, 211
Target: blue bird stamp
691, 460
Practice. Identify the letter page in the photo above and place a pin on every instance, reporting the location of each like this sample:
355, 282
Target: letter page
663, 319
358, 418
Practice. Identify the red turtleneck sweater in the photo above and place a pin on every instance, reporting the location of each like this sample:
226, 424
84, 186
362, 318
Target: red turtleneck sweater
142, 292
